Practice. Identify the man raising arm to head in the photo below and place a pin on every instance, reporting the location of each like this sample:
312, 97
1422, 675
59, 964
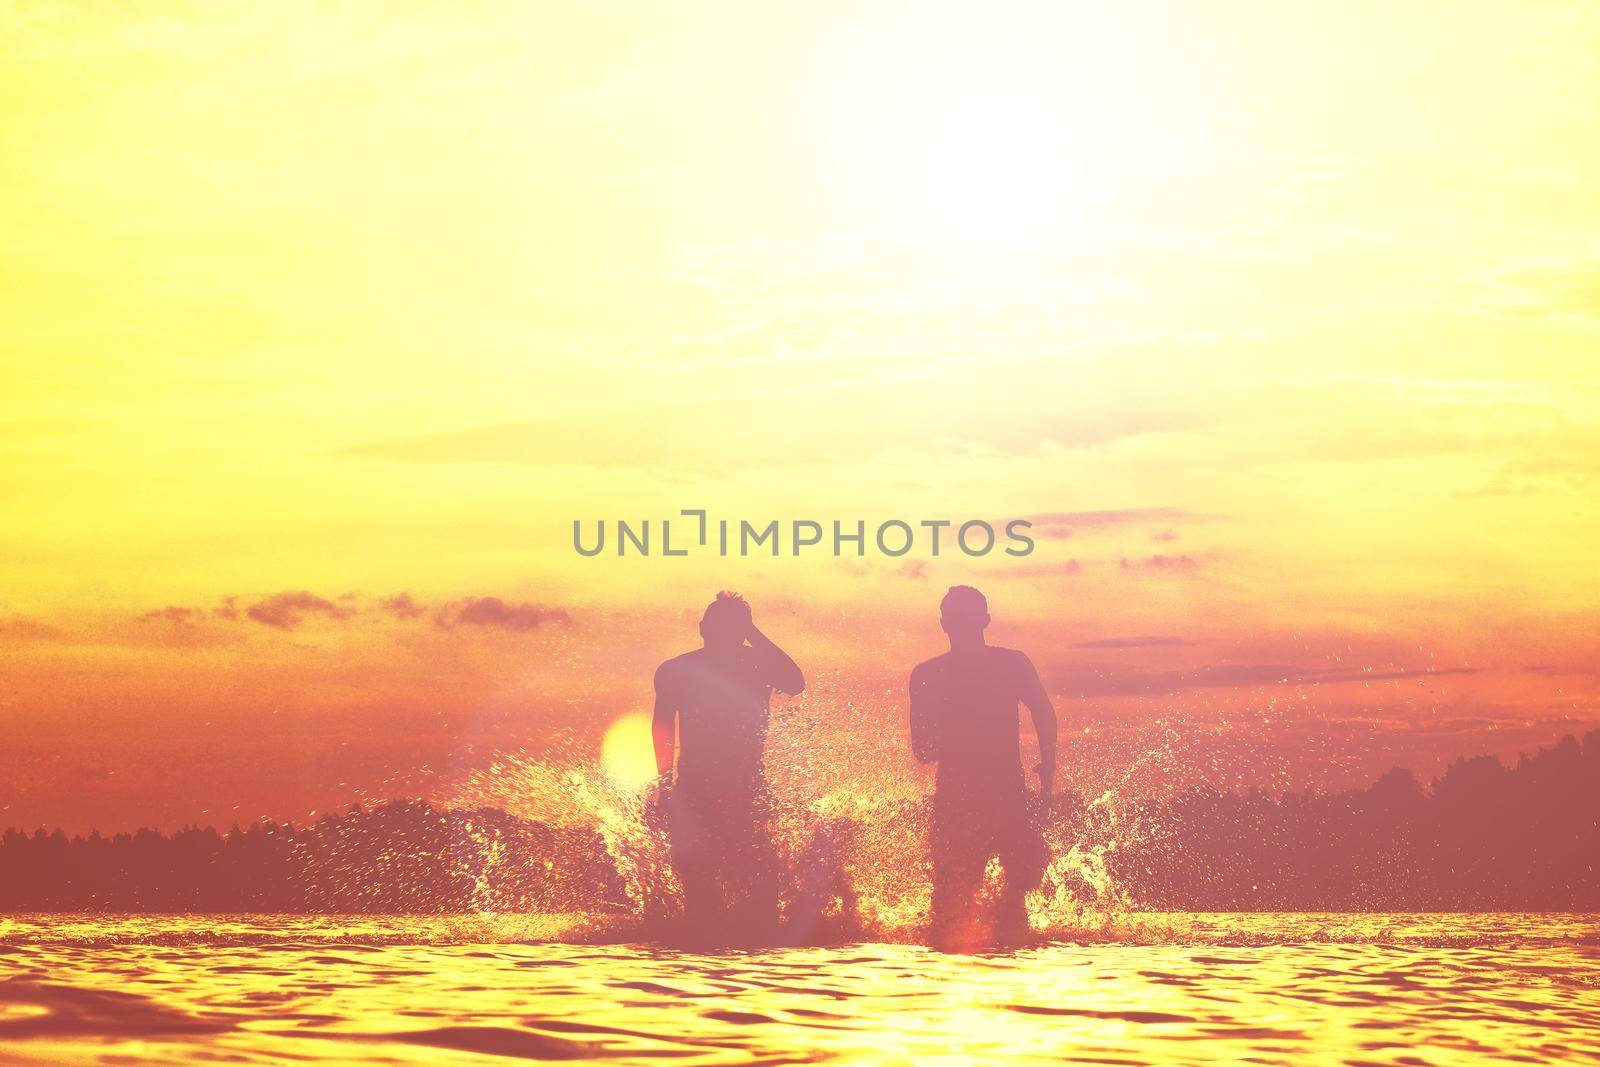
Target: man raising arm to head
709, 729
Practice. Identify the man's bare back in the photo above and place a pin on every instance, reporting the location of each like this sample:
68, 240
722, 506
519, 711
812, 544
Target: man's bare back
964, 717
722, 708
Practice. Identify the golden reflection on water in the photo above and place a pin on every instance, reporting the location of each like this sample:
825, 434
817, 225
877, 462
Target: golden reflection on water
1289, 989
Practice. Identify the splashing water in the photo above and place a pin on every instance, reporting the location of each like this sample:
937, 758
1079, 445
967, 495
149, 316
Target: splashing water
850, 822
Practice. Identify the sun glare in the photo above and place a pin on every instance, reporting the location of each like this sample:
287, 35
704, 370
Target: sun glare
626, 754
977, 132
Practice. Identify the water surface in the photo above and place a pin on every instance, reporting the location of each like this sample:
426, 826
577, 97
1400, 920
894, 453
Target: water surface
1144, 989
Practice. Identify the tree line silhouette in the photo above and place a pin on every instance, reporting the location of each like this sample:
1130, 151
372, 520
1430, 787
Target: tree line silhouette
1484, 837
402, 857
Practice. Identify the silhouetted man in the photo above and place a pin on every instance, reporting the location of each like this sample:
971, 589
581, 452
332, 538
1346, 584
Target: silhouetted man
717, 699
964, 717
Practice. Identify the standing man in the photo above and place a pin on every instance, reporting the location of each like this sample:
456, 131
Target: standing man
713, 703
964, 718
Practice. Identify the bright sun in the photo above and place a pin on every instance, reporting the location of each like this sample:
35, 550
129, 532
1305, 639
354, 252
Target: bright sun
627, 755
986, 131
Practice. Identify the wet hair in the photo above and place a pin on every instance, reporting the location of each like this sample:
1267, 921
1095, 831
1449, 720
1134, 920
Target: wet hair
963, 600
726, 606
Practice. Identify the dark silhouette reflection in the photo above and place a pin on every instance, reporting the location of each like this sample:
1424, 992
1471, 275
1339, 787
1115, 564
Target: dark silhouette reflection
964, 718
712, 706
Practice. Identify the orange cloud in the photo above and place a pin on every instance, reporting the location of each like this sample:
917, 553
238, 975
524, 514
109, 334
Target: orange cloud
492, 611
287, 610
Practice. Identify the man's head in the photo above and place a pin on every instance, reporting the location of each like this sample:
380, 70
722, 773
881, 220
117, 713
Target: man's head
964, 613
726, 622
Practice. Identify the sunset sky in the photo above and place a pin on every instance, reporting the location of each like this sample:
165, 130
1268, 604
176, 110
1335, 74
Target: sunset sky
321, 322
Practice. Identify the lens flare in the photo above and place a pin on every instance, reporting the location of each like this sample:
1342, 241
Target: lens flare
626, 755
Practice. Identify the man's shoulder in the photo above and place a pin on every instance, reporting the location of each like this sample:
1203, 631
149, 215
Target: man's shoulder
1012, 661
929, 666
672, 667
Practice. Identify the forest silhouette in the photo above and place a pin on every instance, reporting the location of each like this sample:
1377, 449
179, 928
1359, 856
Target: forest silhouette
1482, 837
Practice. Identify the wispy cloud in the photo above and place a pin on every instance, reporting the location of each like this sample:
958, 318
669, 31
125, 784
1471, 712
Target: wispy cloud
401, 606
495, 612
1159, 563
175, 613
1567, 474
287, 610
1152, 641
21, 628
1118, 679
1065, 568
1066, 523
916, 570
1563, 287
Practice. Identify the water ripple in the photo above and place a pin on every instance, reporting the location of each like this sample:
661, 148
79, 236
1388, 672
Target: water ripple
1436, 990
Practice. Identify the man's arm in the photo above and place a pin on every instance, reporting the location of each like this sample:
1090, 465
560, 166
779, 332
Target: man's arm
924, 731
781, 672
664, 724
1044, 724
